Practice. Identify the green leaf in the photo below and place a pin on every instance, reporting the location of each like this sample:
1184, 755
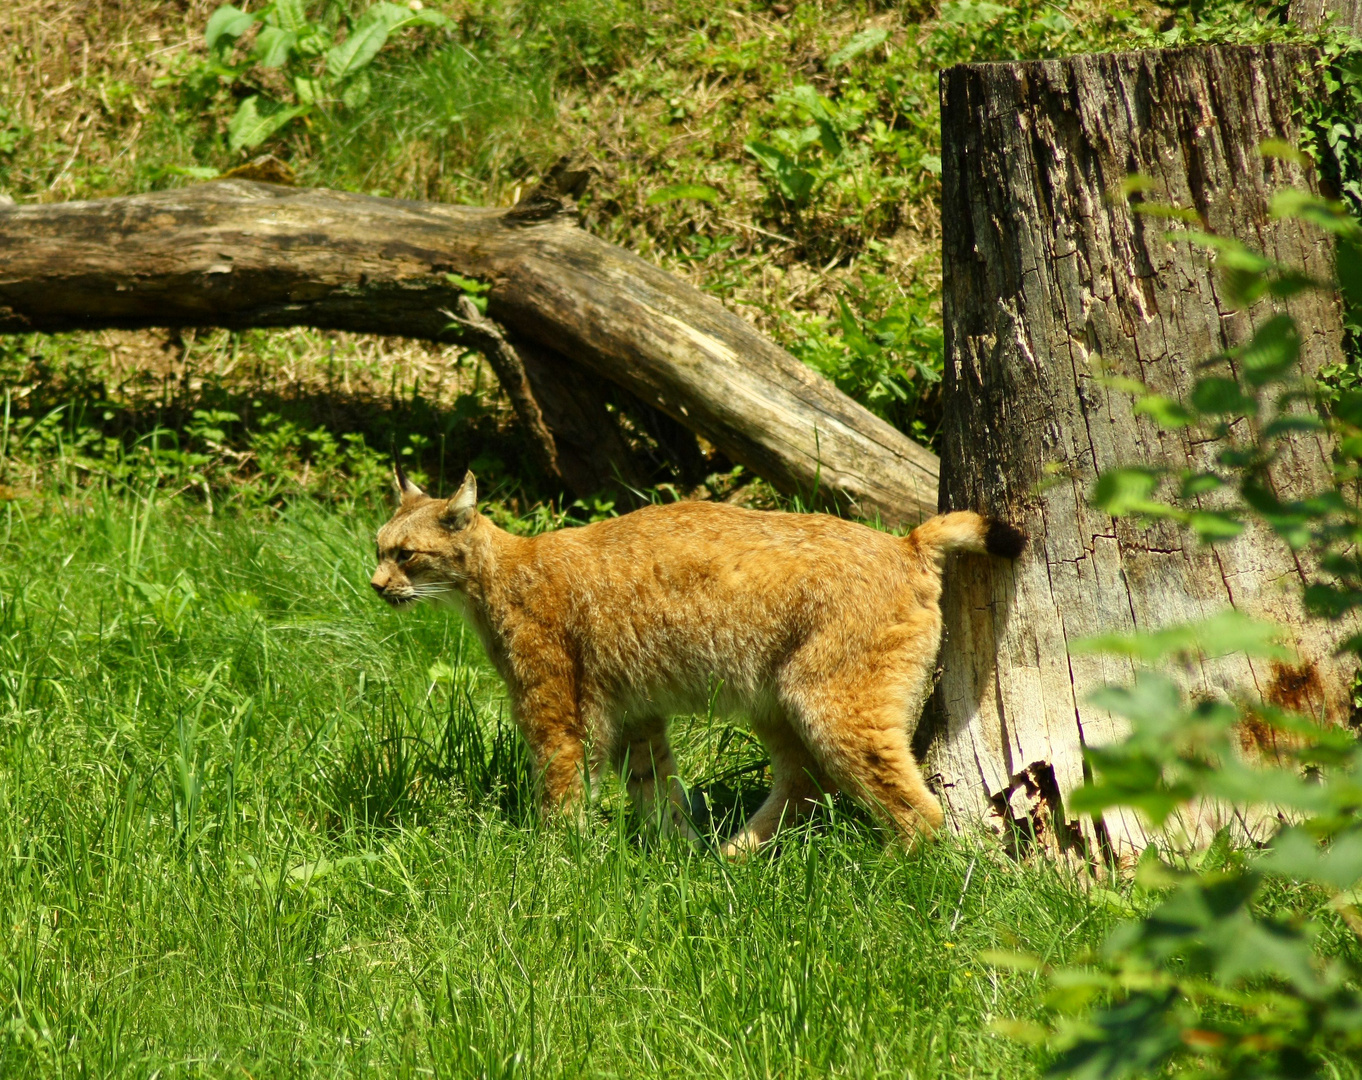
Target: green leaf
1213, 525
1295, 854
194, 172
1280, 148
1291, 424
1285, 284
1229, 632
273, 46
1167, 412
309, 90
795, 183
1331, 601
256, 119
474, 289
1348, 407
1126, 491
433, 18
869, 38
672, 192
1217, 395
1012, 961
226, 22
357, 91
1195, 484
823, 113
1244, 273
1328, 214
1023, 1031
1274, 350
291, 15
472, 286
1131, 1038
366, 38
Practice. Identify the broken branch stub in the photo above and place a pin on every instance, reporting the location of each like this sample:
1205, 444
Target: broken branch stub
486, 336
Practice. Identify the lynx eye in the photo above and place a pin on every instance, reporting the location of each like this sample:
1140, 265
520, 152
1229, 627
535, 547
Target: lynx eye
403, 556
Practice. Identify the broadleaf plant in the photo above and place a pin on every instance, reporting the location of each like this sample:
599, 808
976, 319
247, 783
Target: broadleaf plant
320, 70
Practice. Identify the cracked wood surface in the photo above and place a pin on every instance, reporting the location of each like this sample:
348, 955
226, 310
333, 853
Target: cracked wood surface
1046, 271
1312, 13
237, 254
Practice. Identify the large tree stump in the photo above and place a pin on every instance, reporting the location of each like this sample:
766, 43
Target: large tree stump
235, 253
1046, 271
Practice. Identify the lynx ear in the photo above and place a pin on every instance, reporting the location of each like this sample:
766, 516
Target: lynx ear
459, 511
406, 490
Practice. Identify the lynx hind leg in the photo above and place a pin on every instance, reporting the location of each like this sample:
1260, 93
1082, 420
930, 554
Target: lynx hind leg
655, 789
856, 723
798, 785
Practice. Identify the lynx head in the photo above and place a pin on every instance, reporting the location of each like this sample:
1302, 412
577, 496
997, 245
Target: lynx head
430, 548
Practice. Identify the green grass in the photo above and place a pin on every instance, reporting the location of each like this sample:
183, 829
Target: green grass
254, 823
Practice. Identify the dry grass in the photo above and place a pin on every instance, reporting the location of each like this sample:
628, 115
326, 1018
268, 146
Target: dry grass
81, 75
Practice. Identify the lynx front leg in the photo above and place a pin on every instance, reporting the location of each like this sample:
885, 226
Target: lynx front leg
550, 718
650, 771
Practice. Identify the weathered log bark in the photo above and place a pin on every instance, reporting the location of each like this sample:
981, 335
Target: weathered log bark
1312, 13
236, 254
1046, 271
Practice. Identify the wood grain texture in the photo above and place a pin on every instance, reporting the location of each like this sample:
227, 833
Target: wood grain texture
1313, 13
1049, 277
236, 254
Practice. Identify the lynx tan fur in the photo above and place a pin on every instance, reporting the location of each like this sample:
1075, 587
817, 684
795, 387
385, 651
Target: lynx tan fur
821, 631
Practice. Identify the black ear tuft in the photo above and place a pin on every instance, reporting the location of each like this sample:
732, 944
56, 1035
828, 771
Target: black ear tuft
1004, 540
406, 490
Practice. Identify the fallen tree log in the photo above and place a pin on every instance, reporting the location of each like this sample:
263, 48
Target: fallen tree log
1050, 280
238, 254
592, 451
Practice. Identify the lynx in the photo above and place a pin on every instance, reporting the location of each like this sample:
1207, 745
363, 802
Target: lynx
822, 632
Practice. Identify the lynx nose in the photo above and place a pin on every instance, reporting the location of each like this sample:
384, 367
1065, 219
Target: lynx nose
380, 589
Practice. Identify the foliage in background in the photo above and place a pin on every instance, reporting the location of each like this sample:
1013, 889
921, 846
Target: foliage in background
1222, 974
320, 71
785, 160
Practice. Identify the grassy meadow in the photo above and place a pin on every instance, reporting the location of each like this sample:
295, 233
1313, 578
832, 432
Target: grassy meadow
255, 823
